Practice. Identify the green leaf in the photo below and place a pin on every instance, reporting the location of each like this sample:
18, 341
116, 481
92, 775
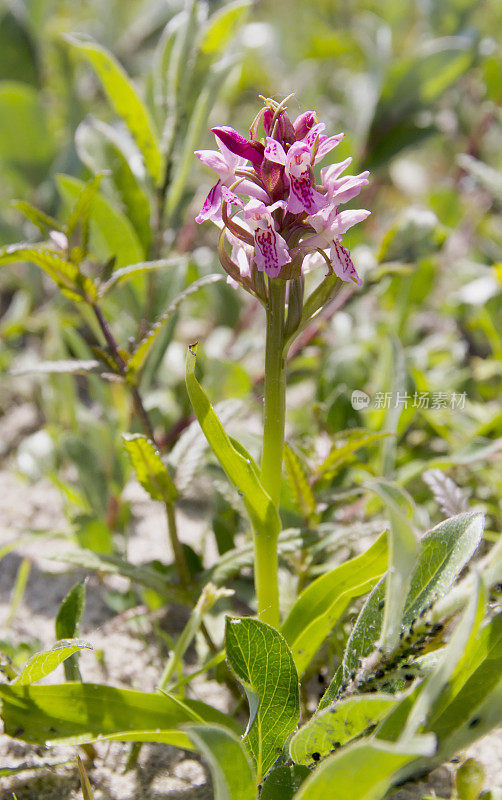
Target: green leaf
444, 552
342, 453
25, 138
39, 218
403, 554
231, 770
298, 481
87, 792
477, 707
66, 275
238, 465
81, 713
42, 664
112, 235
125, 101
114, 565
363, 771
455, 652
138, 358
321, 605
338, 725
283, 782
124, 274
67, 624
104, 148
150, 470
223, 25
262, 661
81, 211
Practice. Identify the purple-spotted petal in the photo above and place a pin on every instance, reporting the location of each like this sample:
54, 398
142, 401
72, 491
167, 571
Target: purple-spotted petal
274, 151
211, 208
343, 265
313, 133
304, 123
271, 251
231, 197
303, 196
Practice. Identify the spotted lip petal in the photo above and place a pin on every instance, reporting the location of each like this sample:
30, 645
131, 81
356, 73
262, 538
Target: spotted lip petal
343, 266
271, 251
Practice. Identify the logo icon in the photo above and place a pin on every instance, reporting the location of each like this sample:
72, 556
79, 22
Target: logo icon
359, 400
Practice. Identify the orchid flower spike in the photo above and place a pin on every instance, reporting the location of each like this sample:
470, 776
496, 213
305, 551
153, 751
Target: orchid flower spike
268, 201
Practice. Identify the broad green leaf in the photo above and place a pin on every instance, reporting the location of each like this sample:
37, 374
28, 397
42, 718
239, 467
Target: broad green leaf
262, 661
25, 138
321, 605
42, 664
67, 624
80, 713
150, 470
338, 725
403, 552
124, 274
223, 25
231, 770
455, 652
114, 565
104, 148
65, 274
477, 707
298, 481
444, 551
363, 771
111, 233
283, 782
138, 358
126, 102
240, 469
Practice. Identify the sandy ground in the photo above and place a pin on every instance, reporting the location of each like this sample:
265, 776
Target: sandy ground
130, 658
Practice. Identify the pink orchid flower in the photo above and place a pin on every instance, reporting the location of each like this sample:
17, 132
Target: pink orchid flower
298, 163
224, 163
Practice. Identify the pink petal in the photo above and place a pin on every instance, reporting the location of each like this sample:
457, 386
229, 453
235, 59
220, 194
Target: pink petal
304, 123
275, 151
212, 205
231, 197
214, 160
270, 252
342, 264
314, 133
326, 145
303, 196
331, 173
346, 219
239, 145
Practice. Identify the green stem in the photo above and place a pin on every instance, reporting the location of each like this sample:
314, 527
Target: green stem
178, 552
266, 560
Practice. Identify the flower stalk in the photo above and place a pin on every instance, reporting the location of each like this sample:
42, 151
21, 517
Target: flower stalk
266, 558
